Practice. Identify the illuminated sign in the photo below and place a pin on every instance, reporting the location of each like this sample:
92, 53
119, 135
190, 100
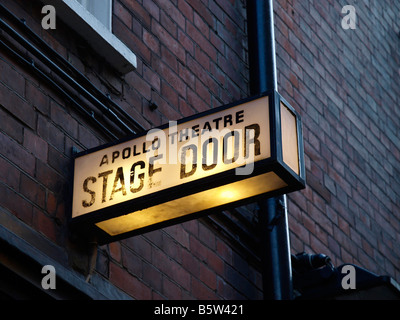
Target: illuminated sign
223, 157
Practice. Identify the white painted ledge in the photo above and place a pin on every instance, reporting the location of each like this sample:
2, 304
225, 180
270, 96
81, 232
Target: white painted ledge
102, 40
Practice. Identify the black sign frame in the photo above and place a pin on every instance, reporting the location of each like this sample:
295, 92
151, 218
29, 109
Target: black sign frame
85, 224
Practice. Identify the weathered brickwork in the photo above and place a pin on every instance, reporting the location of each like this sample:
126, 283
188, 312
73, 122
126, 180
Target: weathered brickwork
345, 84
192, 55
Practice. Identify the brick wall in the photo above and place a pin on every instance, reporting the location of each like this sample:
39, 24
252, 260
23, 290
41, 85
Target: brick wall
345, 84
191, 57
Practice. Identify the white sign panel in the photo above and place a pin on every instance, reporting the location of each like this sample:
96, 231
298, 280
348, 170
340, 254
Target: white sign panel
180, 153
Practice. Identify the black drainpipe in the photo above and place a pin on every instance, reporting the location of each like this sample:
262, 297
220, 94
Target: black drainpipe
277, 271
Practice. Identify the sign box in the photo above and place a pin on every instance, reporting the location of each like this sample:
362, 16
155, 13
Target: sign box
202, 164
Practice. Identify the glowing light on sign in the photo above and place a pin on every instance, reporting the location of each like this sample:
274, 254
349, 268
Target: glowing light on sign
228, 194
228, 156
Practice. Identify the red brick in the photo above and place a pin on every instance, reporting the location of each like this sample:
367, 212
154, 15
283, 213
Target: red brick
17, 106
184, 108
11, 126
128, 283
172, 78
232, 11
50, 133
64, 119
217, 42
201, 291
166, 109
45, 224
170, 95
171, 248
122, 13
153, 117
187, 76
167, 22
12, 79
137, 29
196, 102
198, 249
179, 234
231, 27
132, 262
169, 8
227, 291
201, 25
138, 11
17, 205
185, 9
300, 231
226, 36
225, 65
202, 58
216, 10
140, 246
17, 154
168, 41
318, 246
197, 70
215, 263
136, 82
62, 215
192, 227
201, 41
202, 10
9, 174
171, 269
115, 251
207, 236
49, 177
151, 41
190, 262
131, 40
51, 203
152, 8
234, 91
31, 190
208, 277
153, 277
171, 290
186, 42
37, 97
37, 146
224, 251
220, 77
87, 137
153, 78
